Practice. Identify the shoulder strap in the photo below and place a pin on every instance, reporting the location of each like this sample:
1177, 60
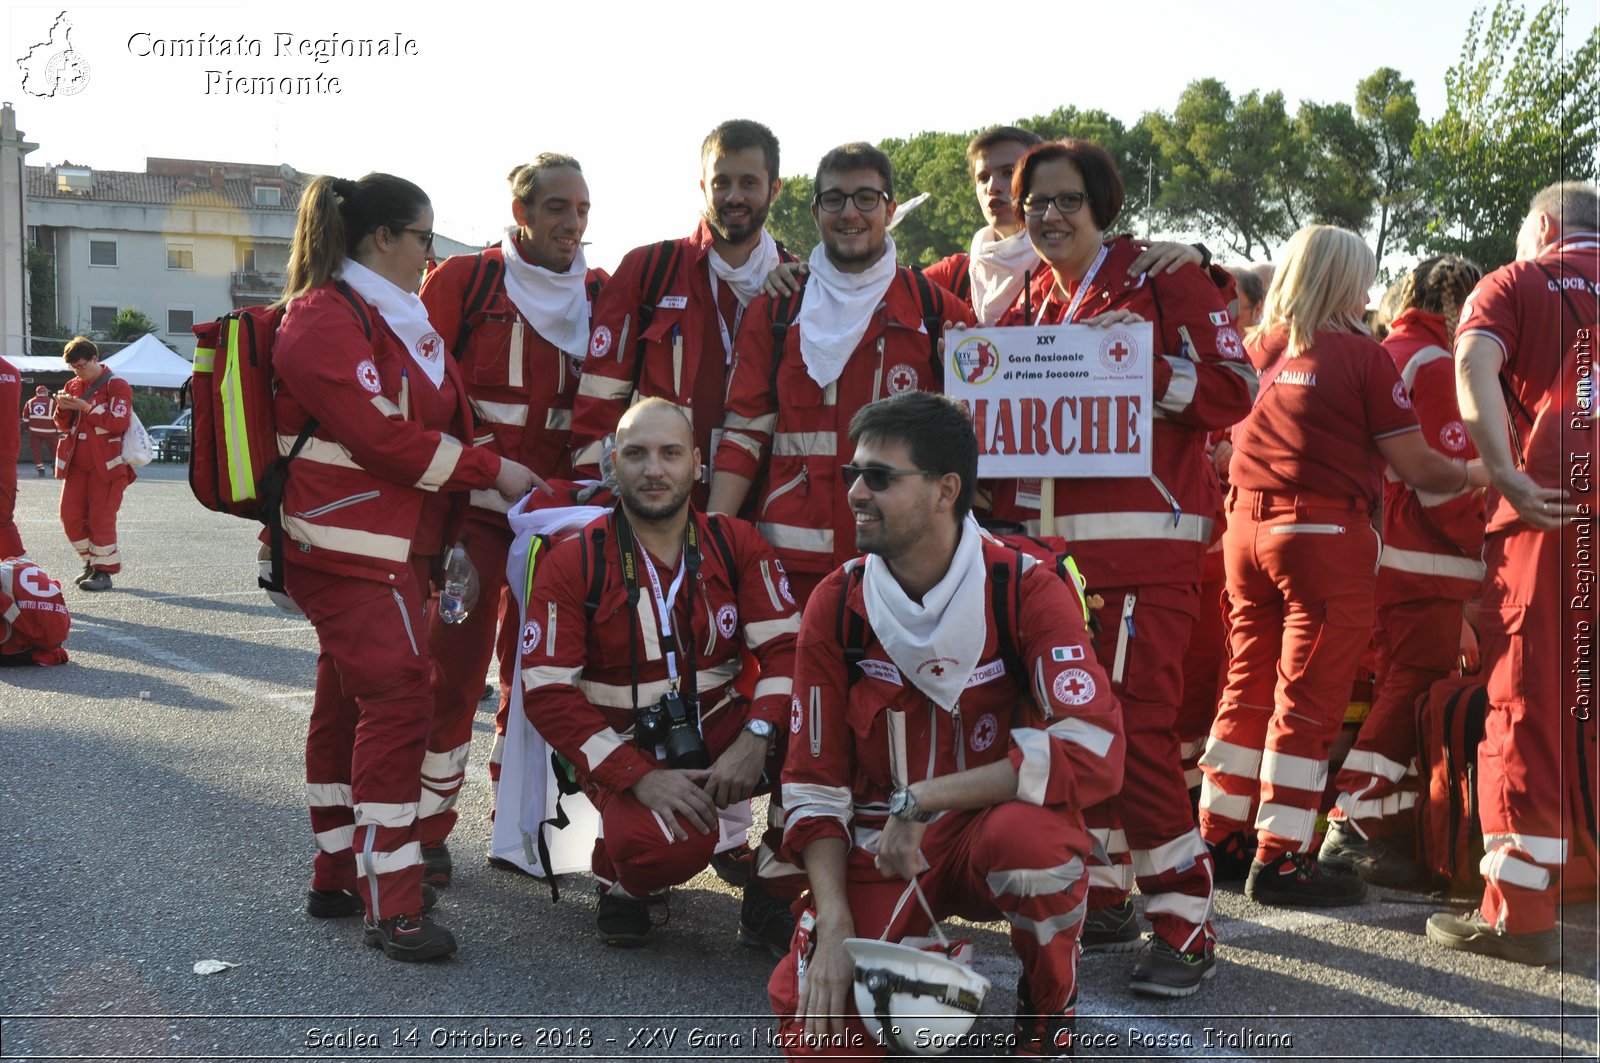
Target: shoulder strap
482, 284
661, 265
851, 629
357, 307
931, 321
963, 288
719, 543
595, 562
784, 311
1007, 607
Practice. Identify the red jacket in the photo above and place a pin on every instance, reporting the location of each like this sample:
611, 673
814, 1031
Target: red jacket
1130, 531
575, 672
33, 613
40, 411
802, 510
520, 385
1432, 544
98, 429
355, 493
1066, 741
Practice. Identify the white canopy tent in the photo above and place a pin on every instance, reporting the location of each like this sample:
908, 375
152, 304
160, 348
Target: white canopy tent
149, 363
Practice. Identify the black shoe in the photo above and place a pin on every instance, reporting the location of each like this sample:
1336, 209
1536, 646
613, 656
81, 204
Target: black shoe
1472, 933
1293, 880
338, 904
765, 921
1048, 1036
88, 570
1114, 929
1163, 971
735, 866
436, 865
1377, 862
410, 938
1231, 857
624, 922
99, 581
500, 863
39, 469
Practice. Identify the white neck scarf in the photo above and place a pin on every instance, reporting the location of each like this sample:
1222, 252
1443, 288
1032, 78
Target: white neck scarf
837, 309
555, 304
935, 644
746, 280
403, 312
999, 267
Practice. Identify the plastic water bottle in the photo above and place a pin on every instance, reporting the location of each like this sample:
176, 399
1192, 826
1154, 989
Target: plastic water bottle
459, 592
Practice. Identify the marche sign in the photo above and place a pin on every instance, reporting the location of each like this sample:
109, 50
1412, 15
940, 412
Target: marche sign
1057, 400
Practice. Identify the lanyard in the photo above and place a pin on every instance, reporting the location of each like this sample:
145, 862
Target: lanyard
688, 566
1077, 300
716, 308
664, 606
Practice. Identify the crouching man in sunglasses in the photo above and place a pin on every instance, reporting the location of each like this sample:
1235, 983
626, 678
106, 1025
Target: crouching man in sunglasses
633, 668
950, 722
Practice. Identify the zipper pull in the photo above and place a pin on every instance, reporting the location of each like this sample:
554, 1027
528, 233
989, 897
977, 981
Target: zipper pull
1127, 615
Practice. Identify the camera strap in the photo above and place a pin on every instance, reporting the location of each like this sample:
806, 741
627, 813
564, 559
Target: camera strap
633, 559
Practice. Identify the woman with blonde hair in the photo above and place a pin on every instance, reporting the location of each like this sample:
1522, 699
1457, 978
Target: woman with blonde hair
371, 411
1431, 564
1301, 553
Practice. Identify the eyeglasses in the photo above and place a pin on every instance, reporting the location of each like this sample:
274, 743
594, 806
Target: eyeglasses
1066, 203
425, 234
876, 477
865, 199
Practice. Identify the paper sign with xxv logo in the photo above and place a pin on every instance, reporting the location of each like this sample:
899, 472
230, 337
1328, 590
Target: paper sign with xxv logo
1058, 400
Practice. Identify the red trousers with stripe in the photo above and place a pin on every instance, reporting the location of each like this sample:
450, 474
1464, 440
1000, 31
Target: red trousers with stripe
1301, 579
1205, 666
1535, 622
460, 659
1168, 860
43, 448
1418, 644
369, 726
1015, 861
90, 499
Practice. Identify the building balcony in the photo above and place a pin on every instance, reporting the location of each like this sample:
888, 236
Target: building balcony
255, 287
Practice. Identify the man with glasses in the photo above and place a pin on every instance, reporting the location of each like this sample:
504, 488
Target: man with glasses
865, 329
92, 412
949, 725
516, 317
665, 324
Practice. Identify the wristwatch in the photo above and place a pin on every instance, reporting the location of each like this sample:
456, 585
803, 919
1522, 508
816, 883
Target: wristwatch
761, 729
1205, 255
903, 806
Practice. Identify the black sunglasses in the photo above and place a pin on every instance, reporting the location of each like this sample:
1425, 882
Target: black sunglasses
877, 477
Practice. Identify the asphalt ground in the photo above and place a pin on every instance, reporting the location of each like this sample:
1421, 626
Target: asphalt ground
152, 800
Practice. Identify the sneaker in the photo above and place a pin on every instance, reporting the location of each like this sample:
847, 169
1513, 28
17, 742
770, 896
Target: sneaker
1163, 971
624, 922
1114, 929
1377, 862
410, 938
1293, 880
436, 865
1231, 857
1472, 933
735, 866
338, 904
1038, 1036
765, 921
99, 581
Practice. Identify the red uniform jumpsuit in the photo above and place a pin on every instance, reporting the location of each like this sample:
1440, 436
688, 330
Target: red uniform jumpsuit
1021, 860
34, 619
89, 459
364, 520
687, 349
1139, 543
10, 446
801, 439
41, 414
1538, 617
1301, 555
1432, 562
577, 682
521, 388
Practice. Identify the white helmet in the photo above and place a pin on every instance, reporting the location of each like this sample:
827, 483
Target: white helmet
927, 1000
264, 572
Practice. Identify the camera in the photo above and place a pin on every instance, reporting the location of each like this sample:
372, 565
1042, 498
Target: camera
672, 723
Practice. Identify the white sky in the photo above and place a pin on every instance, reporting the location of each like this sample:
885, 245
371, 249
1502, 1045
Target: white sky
631, 88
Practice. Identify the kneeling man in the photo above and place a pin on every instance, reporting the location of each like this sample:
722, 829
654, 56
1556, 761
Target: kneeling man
950, 722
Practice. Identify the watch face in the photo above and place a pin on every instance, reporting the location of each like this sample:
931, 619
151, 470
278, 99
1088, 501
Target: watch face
759, 728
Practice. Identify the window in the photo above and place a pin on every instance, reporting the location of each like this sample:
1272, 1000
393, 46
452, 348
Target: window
268, 196
179, 257
101, 318
179, 322
102, 252
247, 260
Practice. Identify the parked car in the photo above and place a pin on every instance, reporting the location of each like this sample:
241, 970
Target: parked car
172, 441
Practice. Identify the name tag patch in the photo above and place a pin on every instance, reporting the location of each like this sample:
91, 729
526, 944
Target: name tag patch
881, 670
673, 302
993, 670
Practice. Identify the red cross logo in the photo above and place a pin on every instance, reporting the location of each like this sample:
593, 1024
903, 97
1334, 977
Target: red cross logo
902, 378
367, 377
1074, 687
429, 346
37, 583
1119, 352
938, 669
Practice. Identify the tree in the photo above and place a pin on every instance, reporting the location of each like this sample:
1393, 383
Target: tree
42, 324
1386, 105
790, 222
129, 324
935, 163
1522, 110
1337, 157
